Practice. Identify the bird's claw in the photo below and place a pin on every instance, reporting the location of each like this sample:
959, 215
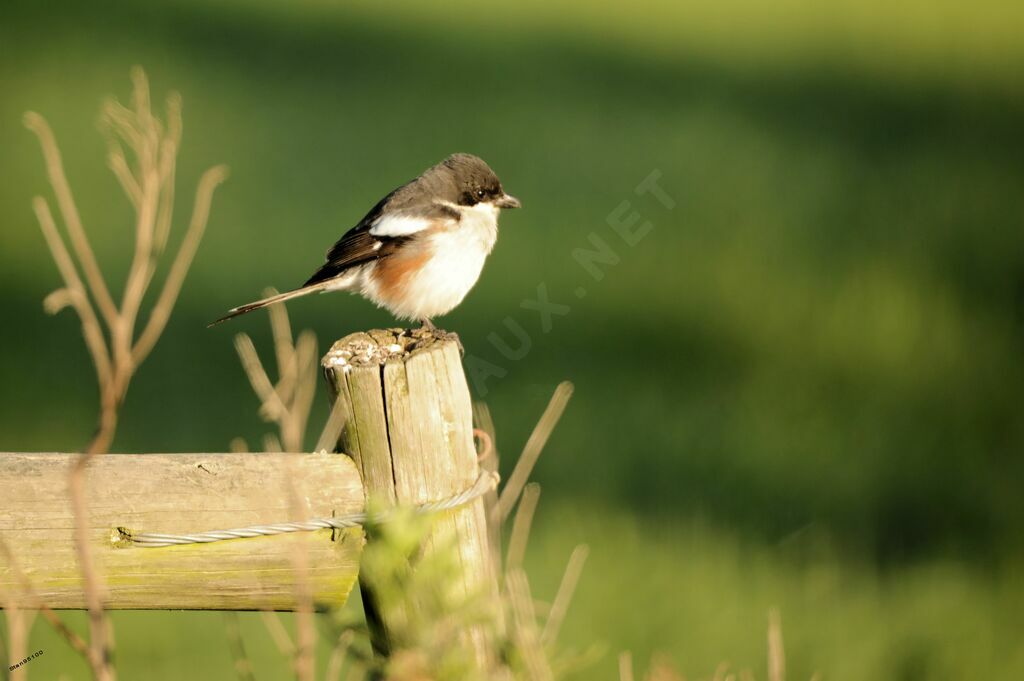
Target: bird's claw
428, 329
452, 336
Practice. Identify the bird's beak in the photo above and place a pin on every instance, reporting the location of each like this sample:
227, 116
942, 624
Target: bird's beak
507, 201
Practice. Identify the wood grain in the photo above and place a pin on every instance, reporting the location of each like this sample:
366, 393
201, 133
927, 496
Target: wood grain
178, 494
412, 427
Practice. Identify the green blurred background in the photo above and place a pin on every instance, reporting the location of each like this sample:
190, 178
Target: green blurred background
803, 388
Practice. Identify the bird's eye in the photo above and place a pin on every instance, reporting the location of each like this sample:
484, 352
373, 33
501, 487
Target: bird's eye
480, 193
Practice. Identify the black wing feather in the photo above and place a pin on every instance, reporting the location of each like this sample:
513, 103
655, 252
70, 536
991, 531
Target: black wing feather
356, 247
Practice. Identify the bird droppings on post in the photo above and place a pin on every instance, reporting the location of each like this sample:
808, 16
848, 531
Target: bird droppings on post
376, 347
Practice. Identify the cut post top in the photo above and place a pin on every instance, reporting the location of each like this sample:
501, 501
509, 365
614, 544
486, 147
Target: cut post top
376, 346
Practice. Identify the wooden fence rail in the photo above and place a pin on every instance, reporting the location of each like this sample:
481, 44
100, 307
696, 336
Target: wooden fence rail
178, 494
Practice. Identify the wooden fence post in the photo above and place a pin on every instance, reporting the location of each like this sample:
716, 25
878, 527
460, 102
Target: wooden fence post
410, 432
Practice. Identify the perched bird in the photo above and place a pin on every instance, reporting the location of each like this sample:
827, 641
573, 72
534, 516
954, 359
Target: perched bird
420, 250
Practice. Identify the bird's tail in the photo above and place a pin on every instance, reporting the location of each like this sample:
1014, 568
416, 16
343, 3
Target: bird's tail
258, 304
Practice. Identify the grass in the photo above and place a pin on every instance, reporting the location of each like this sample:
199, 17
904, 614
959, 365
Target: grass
692, 593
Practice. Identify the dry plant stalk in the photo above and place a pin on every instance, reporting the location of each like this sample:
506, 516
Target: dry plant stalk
566, 590
288, 403
117, 351
115, 347
305, 629
776, 652
338, 654
531, 452
242, 663
19, 623
625, 666
521, 526
73, 639
278, 633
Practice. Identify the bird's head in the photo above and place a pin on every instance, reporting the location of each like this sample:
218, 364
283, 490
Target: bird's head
474, 183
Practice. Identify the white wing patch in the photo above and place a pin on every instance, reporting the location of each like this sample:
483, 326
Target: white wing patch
399, 225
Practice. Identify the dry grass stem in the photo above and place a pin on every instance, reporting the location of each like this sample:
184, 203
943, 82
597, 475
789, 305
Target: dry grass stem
305, 632
485, 423
271, 443
242, 663
521, 525
161, 311
338, 654
19, 623
527, 635
74, 293
625, 666
69, 210
721, 673
278, 633
662, 670
284, 346
101, 636
73, 639
328, 440
288, 401
534, 446
116, 352
776, 654
272, 407
563, 598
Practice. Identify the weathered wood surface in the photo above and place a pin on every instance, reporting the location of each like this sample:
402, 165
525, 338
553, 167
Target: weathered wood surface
179, 494
410, 432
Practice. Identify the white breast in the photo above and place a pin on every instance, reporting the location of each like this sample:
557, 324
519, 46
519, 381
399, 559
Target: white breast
456, 258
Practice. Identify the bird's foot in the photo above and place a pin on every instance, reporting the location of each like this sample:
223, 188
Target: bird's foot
452, 336
440, 334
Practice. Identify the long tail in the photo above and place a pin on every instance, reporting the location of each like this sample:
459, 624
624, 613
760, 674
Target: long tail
279, 298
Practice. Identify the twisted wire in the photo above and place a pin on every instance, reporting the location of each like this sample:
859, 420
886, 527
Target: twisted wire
486, 482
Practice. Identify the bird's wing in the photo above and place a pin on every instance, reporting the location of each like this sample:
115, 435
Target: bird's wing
379, 233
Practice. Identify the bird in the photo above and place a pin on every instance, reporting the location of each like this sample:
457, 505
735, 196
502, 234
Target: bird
420, 249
